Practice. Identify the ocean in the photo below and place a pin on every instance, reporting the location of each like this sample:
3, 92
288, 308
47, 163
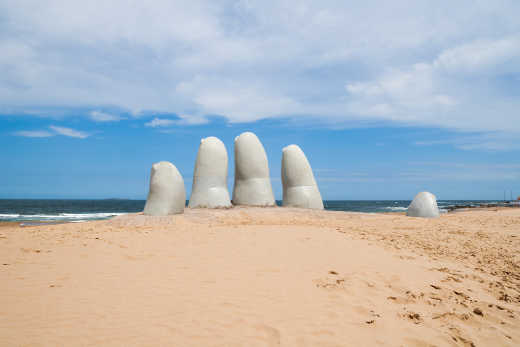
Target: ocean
55, 210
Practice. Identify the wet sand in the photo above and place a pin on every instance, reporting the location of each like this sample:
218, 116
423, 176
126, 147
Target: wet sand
264, 277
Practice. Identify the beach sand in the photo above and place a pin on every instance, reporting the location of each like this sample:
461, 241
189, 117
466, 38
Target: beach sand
264, 277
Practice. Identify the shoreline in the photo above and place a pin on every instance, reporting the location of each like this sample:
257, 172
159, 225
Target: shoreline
509, 204
451, 209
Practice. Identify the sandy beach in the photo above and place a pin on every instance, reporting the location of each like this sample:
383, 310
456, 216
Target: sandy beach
264, 277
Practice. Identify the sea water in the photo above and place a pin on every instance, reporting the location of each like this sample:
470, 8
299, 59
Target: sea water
84, 210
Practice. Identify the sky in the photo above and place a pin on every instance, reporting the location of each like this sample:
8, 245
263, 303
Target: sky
386, 99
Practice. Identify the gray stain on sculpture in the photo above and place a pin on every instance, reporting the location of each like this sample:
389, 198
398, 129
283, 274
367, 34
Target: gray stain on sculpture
252, 182
423, 205
167, 193
299, 186
209, 188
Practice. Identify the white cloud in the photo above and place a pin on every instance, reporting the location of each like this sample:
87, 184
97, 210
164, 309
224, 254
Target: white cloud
408, 95
184, 119
481, 56
99, 116
249, 60
69, 132
159, 122
56, 130
433, 93
34, 133
234, 100
191, 120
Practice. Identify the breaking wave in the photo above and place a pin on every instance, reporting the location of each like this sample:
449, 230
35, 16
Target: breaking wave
65, 217
396, 208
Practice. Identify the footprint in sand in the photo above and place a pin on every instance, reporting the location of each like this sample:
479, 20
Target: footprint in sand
333, 281
413, 316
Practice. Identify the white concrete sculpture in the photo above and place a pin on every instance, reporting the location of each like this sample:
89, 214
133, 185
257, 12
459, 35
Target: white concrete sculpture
299, 186
209, 189
252, 182
423, 205
167, 193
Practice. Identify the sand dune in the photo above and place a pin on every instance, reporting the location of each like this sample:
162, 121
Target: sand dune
264, 277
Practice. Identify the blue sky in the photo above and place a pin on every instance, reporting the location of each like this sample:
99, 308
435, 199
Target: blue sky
385, 98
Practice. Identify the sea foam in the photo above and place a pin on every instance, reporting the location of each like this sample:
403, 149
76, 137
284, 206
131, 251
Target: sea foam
71, 217
396, 208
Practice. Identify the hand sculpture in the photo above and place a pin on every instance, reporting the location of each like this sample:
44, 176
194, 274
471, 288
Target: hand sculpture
299, 186
252, 182
209, 189
423, 205
167, 193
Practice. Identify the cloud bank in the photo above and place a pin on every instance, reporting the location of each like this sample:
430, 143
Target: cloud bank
444, 64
